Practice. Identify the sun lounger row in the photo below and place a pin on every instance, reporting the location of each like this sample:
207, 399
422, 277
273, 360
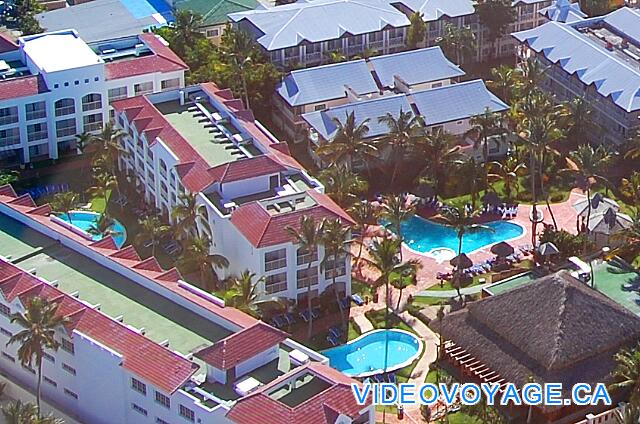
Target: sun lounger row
283, 320
335, 333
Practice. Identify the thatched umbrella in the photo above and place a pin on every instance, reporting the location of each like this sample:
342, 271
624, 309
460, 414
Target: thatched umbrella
461, 261
609, 222
599, 204
491, 198
502, 249
548, 249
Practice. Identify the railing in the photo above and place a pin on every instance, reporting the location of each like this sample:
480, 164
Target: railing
313, 57
38, 135
396, 41
10, 119
376, 44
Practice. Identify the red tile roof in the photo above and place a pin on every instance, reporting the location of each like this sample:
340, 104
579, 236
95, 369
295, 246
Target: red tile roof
7, 44
263, 229
243, 345
163, 59
322, 408
22, 87
141, 356
246, 168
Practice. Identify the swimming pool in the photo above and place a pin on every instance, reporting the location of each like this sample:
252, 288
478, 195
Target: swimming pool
441, 241
364, 356
84, 221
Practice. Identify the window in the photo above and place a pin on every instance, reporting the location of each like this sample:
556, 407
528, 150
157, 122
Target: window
276, 283
139, 409
161, 421
70, 393
68, 369
138, 386
275, 259
187, 413
9, 136
306, 277
5, 310
304, 256
5, 332
66, 127
92, 122
91, 101
143, 88
49, 381
36, 110
163, 400
65, 107
37, 132
38, 150
28, 368
320, 107
8, 115
335, 268
170, 83
213, 32
96, 79
5, 355
117, 94
49, 357
67, 345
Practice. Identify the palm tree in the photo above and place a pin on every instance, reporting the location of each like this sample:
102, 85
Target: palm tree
630, 188
626, 374
365, 215
39, 322
580, 121
335, 239
386, 261
530, 78
151, 230
186, 213
26, 413
630, 414
243, 293
417, 30
496, 16
440, 152
587, 165
630, 237
64, 203
241, 55
186, 30
508, 172
463, 222
103, 184
104, 227
457, 42
487, 124
350, 143
198, 254
395, 210
8, 177
341, 184
503, 81
402, 136
307, 236
110, 139
471, 171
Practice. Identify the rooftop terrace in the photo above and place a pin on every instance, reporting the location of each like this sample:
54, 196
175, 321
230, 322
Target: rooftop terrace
302, 388
13, 69
212, 140
140, 308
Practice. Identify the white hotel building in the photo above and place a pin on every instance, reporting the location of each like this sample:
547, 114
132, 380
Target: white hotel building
54, 86
140, 345
203, 141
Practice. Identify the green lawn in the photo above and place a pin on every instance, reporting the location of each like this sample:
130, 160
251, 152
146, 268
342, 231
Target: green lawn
99, 204
428, 300
353, 331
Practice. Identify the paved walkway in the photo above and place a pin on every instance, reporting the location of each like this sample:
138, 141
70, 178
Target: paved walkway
452, 293
362, 322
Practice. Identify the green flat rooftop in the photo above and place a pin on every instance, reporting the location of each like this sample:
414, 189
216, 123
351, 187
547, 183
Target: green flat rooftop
116, 295
210, 143
609, 277
510, 283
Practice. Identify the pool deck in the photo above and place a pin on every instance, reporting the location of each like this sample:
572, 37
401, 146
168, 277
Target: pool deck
140, 308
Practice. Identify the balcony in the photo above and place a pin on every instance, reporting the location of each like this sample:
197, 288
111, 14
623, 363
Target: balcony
313, 57
396, 41
358, 48
376, 45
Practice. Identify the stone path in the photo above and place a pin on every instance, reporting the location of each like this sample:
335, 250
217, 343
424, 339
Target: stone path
362, 322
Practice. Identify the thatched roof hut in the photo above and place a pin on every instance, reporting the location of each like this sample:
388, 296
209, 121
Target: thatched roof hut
554, 330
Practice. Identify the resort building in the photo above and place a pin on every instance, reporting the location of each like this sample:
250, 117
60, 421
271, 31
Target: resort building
327, 86
305, 33
552, 329
564, 11
448, 108
597, 59
54, 86
201, 140
142, 345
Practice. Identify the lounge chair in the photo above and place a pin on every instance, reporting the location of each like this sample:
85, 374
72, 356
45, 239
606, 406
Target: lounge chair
305, 315
332, 340
289, 318
278, 321
315, 312
335, 331
344, 303
357, 299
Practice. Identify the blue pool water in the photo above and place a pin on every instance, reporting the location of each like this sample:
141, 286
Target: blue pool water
365, 355
423, 235
84, 221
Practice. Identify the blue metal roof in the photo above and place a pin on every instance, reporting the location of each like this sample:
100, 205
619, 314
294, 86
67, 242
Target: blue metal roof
610, 72
319, 20
327, 82
414, 66
455, 102
564, 11
323, 123
435, 9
